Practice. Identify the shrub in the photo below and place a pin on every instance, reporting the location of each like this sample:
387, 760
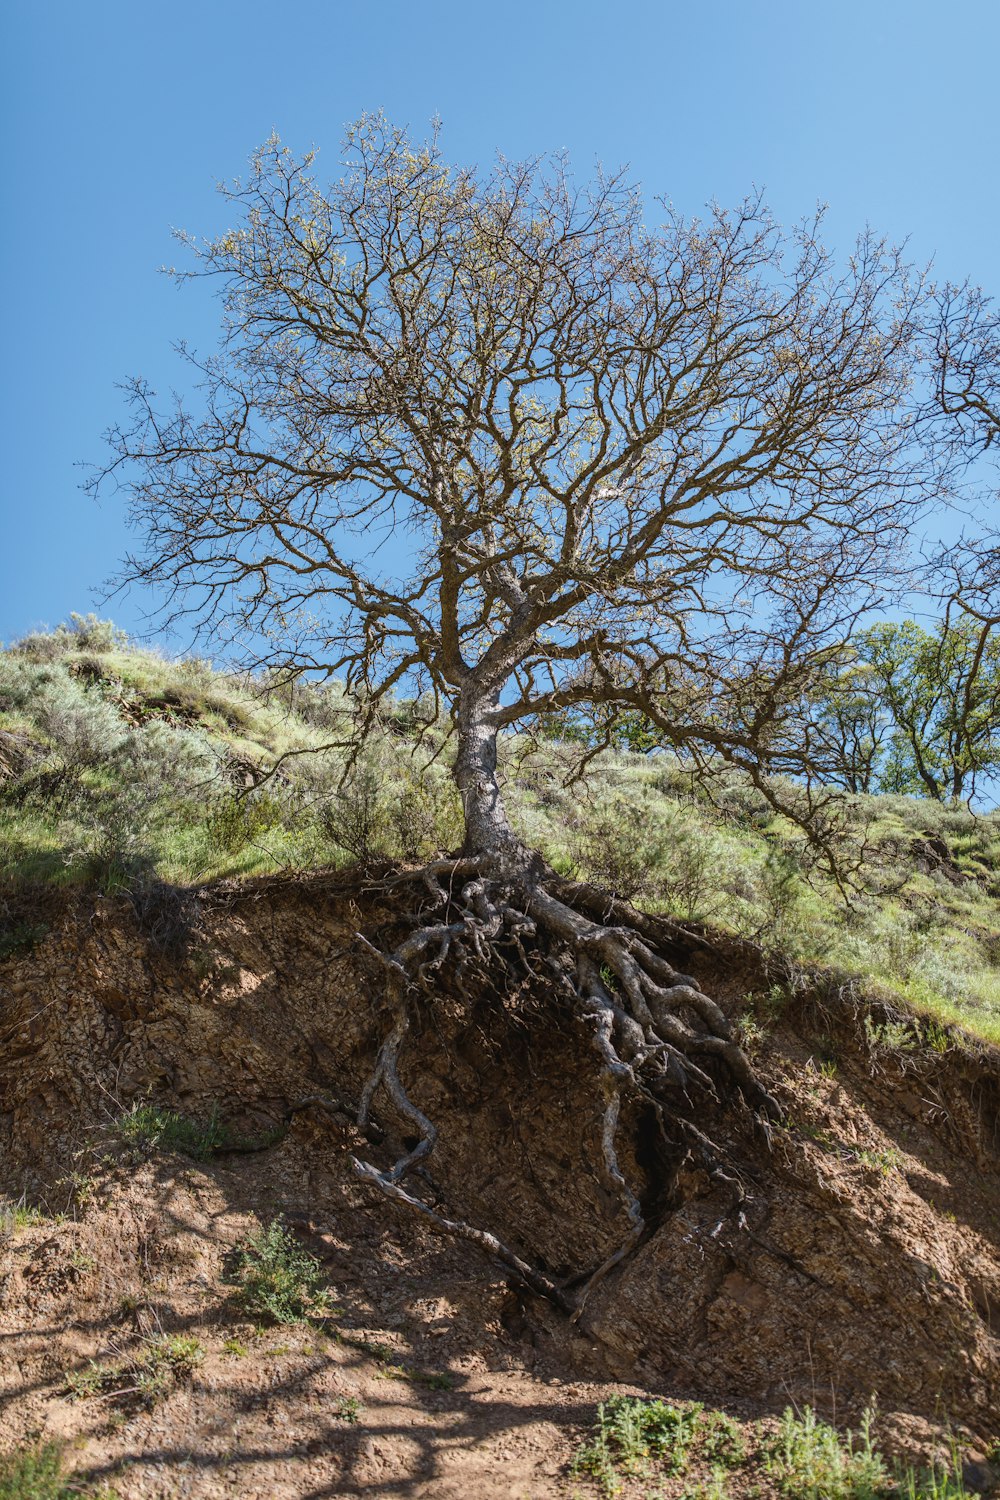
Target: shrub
629, 1433
277, 1278
810, 1461
236, 821
80, 633
619, 844
358, 817
35, 1473
425, 815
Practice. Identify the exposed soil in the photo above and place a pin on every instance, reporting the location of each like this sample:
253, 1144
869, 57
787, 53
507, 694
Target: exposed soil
869, 1260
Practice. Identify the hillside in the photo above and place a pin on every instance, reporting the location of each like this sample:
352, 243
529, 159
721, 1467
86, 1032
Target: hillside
120, 768
188, 1023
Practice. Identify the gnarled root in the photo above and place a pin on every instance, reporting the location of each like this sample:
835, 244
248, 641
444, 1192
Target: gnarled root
653, 1029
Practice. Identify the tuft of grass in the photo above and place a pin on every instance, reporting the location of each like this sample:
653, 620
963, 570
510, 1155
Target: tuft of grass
20, 1215
34, 1473
162, 1364
277, 1279
165, 1130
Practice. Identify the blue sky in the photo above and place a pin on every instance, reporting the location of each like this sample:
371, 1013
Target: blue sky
120, 118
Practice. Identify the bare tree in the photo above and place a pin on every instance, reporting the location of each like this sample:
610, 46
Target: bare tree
492, 436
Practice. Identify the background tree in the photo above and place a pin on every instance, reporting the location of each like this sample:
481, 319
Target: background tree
493, 437
941, 690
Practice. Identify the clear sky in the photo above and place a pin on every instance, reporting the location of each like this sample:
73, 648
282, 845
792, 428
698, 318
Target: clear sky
120, 117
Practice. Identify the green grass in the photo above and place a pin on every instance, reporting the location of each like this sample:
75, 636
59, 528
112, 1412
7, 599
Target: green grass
648, 1441
924, 932
162, 1129
22, 1215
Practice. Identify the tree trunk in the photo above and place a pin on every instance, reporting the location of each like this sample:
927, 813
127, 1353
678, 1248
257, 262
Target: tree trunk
487, 830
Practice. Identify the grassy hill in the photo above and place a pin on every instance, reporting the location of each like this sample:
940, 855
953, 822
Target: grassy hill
121, 768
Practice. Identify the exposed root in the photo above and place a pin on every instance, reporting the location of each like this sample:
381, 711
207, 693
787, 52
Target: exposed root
648, 1025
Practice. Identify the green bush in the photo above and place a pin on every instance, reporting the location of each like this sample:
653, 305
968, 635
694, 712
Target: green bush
277, 1278
631, 1433
236, 821
35, 1473
810, 1461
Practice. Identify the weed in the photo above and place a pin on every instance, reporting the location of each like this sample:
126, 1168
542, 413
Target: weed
35, 1472
165, 1130
22, 1215
828, 1068
712, 1488
750, 1032
810, 1461
348, 1409
20, 938
886, 1161
631, 1432
277, 1279
721, 1440
885, 1037
235, 1348
83, 1188
153, 1372
937, 1037
932, 1484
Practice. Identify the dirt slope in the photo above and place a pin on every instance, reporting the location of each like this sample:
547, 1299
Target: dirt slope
869, 1259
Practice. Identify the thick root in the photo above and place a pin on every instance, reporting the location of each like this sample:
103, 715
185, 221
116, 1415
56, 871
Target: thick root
652, 1028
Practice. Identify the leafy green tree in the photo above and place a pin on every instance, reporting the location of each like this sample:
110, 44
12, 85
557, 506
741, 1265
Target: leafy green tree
941, 690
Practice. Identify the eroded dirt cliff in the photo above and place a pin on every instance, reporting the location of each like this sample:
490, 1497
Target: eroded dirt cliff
867, 1258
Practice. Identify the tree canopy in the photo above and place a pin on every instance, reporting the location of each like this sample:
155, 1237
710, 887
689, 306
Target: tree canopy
494, 435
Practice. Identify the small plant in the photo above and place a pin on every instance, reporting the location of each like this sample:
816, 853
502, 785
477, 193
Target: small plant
932, 1484
721, 1440
20, 938
36, 1472
810, 1461
936, 1036
348, 1409
153, 1372
15, 1216
165, 1130
277, 1279
712, 1488
887, 1037
750, 1032
886, 1161
630, 1433
235, 1348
